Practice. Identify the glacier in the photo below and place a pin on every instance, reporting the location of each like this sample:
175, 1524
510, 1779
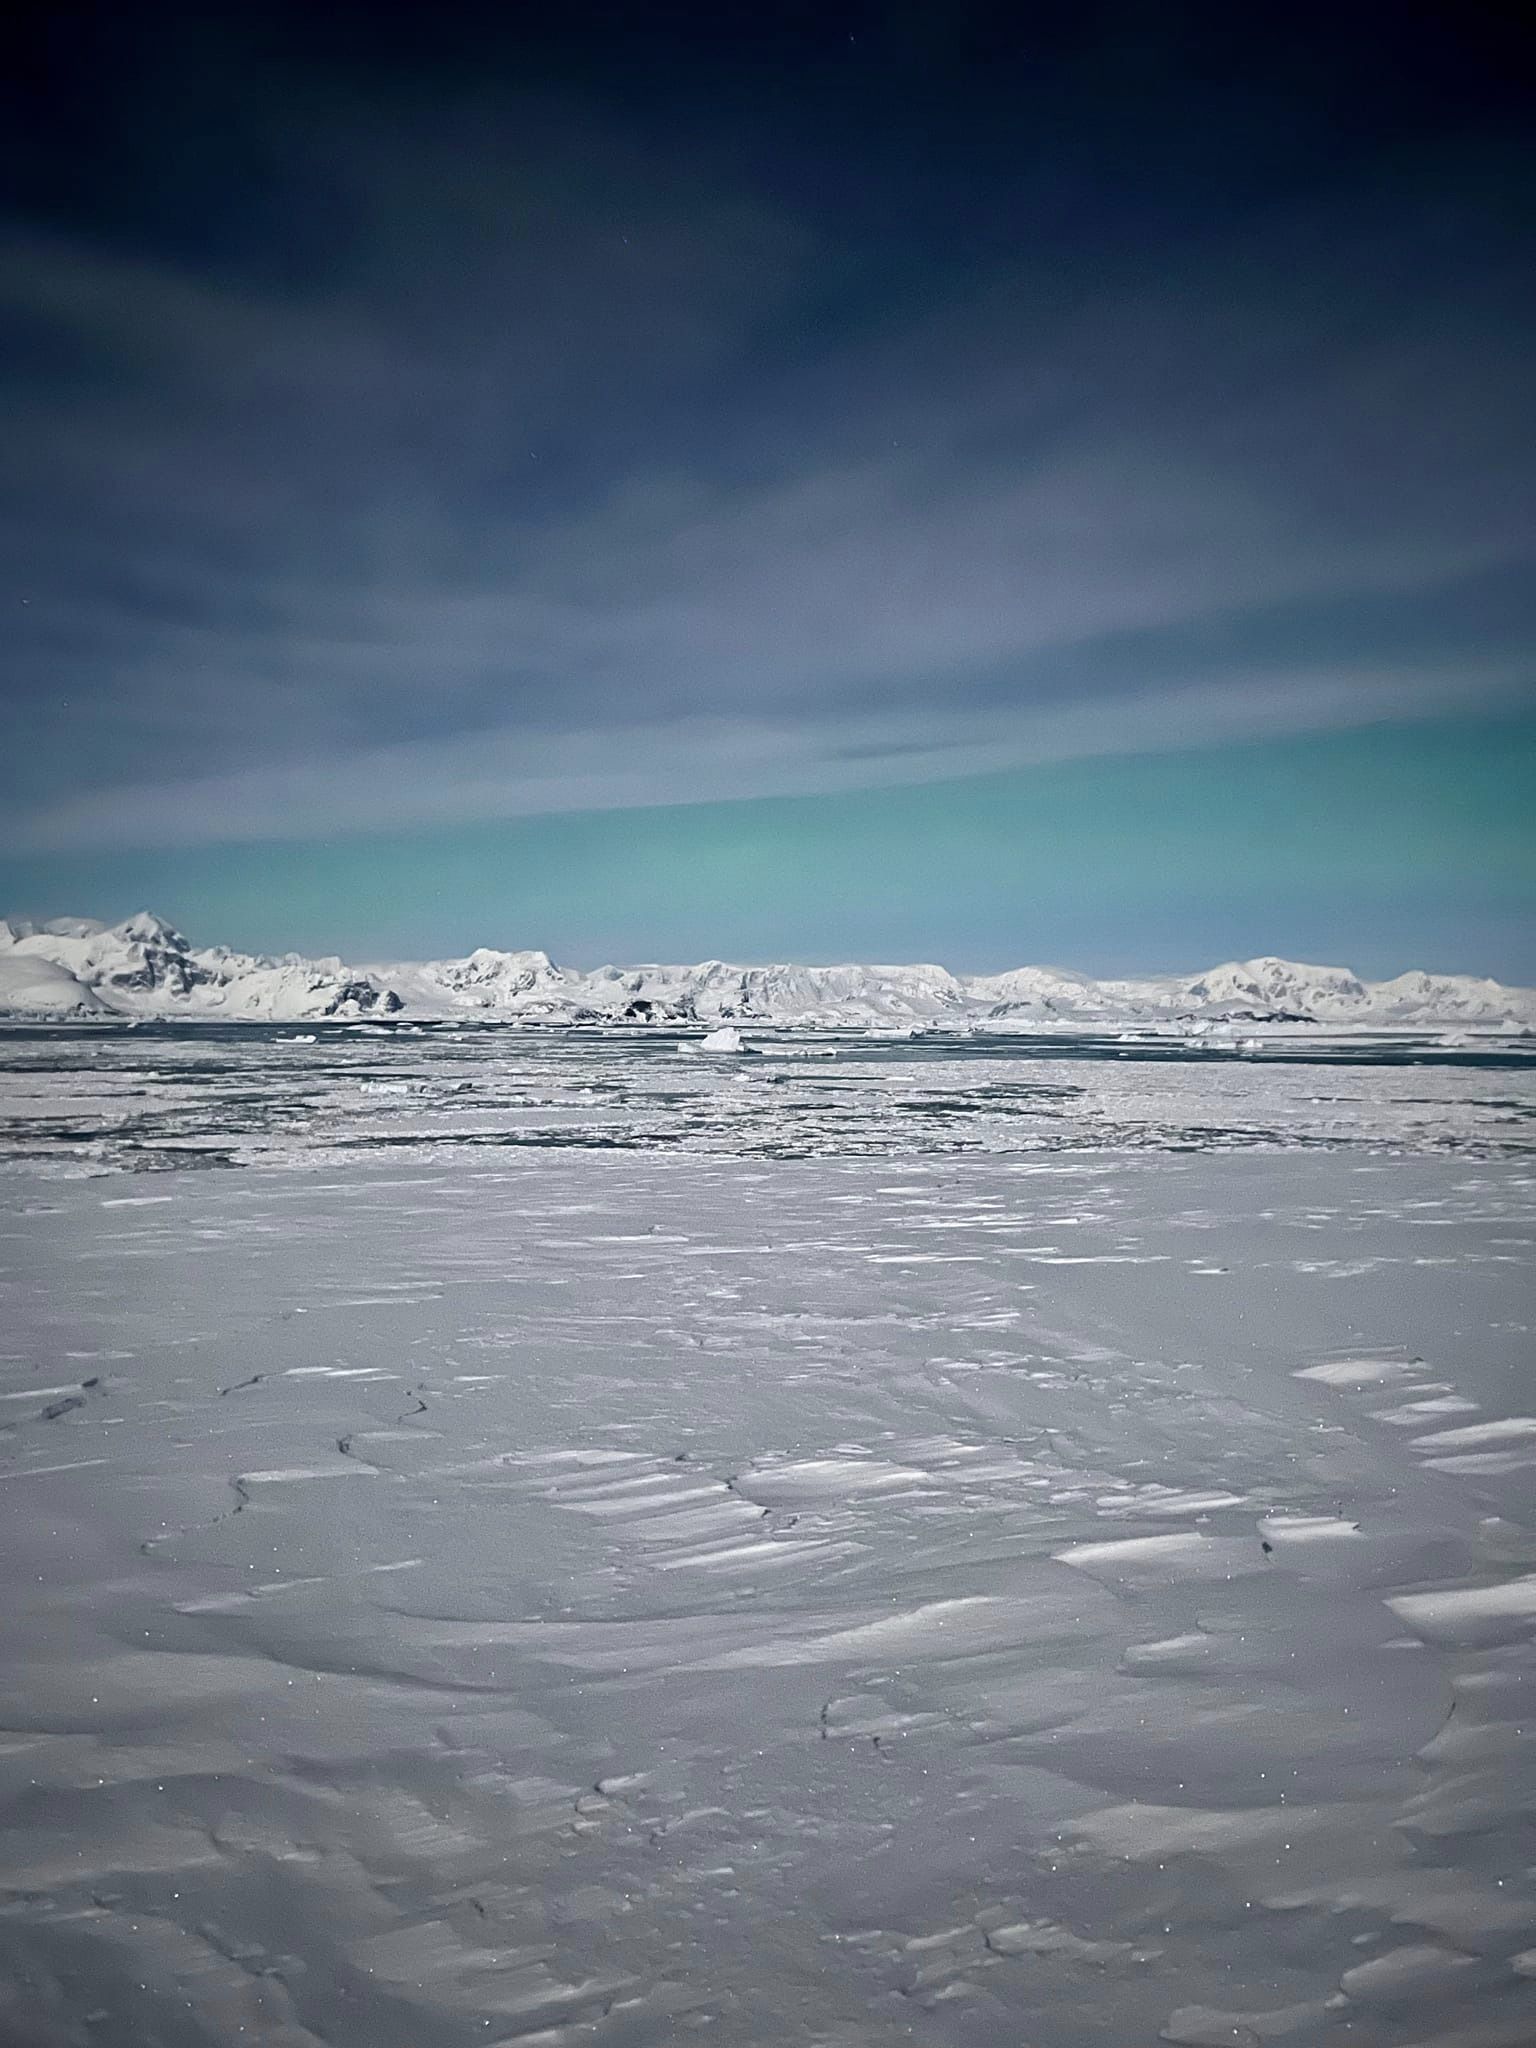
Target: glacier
145, 968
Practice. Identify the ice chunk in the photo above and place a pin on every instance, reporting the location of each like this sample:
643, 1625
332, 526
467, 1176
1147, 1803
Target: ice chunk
726, 1039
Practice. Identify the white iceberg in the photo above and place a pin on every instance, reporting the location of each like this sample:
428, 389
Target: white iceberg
726, 1039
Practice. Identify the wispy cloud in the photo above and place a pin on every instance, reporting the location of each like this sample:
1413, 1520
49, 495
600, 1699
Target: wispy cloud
694, 757
571, 488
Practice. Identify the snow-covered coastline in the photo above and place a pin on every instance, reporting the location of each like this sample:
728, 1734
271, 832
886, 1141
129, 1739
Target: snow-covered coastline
144, 968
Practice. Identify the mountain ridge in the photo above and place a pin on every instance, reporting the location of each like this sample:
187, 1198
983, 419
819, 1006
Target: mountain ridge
145, 968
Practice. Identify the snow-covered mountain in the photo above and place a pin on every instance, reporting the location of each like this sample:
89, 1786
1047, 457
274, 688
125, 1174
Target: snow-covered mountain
145, 968
1262, 991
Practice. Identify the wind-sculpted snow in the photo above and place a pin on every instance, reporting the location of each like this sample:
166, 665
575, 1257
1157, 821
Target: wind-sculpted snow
603, 1599
145, 968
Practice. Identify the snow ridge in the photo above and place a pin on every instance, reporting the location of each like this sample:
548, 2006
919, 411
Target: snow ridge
144, 967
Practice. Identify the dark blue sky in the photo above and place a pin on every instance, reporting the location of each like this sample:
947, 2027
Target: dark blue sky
427, 422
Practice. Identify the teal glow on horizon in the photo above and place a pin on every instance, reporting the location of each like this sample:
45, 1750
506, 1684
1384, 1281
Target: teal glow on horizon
1381, 849
651, 485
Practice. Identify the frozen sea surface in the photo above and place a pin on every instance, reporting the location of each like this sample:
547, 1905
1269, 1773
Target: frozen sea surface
852, 1554
158, 1095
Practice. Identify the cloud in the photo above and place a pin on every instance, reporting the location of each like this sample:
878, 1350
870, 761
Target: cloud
514, 773
583, 482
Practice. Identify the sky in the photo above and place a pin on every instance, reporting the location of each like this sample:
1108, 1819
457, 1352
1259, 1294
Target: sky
986, 483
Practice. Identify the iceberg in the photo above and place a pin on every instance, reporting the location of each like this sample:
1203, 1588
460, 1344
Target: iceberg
726, 1039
